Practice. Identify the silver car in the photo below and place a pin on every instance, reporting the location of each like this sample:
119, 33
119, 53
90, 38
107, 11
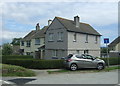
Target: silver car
75, 61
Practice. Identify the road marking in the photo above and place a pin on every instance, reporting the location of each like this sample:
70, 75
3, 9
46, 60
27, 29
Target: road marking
5, 82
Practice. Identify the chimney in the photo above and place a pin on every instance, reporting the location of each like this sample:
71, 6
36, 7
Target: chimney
37, 26
49, 22
76, 20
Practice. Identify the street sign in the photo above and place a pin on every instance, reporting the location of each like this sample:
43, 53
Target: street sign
106, 40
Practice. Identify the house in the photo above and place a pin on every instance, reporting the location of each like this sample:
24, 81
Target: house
114, 47
16, 49
32, 41
64, 36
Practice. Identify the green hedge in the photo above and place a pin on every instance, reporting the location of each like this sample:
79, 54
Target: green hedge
36, 64
30, 62
112, 60
17, 57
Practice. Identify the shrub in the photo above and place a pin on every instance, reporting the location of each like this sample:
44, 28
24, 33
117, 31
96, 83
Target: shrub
112, 60
35, 63
12, 70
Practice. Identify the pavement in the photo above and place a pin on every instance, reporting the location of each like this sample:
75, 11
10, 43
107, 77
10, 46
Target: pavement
66, 78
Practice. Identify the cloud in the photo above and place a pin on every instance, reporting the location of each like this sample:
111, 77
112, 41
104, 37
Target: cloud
95, 12
8, 35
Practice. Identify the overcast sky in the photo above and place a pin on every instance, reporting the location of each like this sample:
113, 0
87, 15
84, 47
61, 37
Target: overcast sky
19, 18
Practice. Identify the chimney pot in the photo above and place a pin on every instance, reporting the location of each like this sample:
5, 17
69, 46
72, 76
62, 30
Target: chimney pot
49, 22
37, 26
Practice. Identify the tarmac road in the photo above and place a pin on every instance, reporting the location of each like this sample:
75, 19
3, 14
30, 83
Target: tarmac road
67, 78
78, 78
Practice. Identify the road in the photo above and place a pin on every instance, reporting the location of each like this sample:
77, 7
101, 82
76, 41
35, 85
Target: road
68, 78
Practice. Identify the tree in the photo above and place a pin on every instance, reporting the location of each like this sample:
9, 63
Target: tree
16, 41
7, 49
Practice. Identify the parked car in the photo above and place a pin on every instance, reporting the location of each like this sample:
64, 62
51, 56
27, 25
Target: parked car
75, 61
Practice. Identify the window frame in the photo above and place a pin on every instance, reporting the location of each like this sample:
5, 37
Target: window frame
86, 51
75, 37
96, 39
54, 53
86, 38
60, 37
36, 39
22, 43
51, 35
28, 43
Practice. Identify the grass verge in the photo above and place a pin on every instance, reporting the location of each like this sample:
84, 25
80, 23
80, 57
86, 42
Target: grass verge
12, 70
107, 69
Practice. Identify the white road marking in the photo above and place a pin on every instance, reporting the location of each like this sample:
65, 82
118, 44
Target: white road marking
5, 82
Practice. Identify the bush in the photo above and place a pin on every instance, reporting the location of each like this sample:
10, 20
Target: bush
112, 61
6, 57
12, 70
29, 62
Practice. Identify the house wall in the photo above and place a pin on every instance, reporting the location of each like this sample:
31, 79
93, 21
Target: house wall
60, 46
81, 45
117, 47
33, 47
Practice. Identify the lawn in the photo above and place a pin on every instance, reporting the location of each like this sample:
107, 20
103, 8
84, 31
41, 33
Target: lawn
107, 69
12, 70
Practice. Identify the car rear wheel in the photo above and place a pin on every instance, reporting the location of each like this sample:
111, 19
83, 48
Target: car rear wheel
73, 67
100, 66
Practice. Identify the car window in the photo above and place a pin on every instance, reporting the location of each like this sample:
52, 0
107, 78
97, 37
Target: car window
89, 57
78, 56
69, 56
83, 56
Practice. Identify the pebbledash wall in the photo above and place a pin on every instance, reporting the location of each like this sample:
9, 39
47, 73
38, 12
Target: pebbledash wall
68, 45
32, 48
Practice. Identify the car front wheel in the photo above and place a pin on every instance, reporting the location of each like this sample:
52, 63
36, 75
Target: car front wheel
73, 67
100, 66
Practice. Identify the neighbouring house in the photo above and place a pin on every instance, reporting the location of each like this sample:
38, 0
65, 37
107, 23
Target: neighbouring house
33, 42
114, 47
64, 36
16, 49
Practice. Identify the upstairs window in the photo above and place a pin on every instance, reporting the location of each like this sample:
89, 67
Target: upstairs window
28, 43
96, 39
22, 43
86, 40
51, 36
37, 41
74, 38
60, 36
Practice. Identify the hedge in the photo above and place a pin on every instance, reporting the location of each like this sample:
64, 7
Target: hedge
36, 64
112, 60
17, 57
30, 62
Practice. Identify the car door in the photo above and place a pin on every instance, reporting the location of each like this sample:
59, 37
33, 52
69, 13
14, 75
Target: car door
80, 61
88, 62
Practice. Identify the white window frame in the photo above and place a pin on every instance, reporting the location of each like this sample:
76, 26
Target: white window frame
51, 36
86, 38
74, 37
60, 36
28, 43
36, 40
22, 43
96, 39
54, 53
